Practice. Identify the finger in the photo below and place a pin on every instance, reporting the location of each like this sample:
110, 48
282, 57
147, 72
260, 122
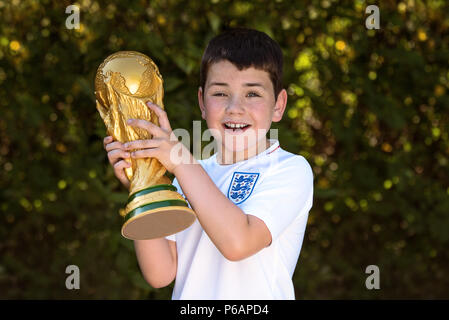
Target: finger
117, 154
107, 140
145, 153
161, 114
120, 172
120, 165
146, 125
114, 145
141, 144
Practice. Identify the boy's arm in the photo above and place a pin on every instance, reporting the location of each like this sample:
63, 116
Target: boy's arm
157, 258
157, 261
235, 234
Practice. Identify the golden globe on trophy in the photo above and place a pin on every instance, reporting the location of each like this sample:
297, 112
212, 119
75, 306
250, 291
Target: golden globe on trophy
124, 82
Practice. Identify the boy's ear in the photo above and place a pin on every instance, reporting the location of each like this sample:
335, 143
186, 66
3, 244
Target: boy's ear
201, 102
279, 107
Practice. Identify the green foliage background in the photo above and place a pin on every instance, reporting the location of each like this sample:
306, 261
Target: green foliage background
367, 108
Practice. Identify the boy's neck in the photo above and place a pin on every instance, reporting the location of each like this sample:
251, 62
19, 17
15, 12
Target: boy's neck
226, 157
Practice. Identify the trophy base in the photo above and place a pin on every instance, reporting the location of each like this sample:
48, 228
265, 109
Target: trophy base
157, 219
158, 223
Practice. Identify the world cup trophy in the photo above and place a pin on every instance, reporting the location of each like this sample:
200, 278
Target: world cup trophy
124, 82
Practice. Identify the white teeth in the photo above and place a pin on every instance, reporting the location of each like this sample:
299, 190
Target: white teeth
236, 125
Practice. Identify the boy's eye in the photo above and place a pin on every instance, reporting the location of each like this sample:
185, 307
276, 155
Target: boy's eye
253, 94
250, 94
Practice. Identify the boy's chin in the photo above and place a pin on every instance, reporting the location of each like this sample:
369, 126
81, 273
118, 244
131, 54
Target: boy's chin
234, 149
248, 141
241, 145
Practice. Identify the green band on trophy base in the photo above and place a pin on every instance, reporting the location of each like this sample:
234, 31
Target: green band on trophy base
154, 205
151, 189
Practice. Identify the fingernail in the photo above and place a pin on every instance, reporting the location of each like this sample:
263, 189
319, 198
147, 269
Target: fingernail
129, 120
127, 155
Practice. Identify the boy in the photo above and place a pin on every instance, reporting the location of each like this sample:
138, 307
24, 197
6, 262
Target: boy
251, 198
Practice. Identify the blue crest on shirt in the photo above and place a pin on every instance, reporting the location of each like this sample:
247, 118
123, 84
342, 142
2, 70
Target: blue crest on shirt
242, 185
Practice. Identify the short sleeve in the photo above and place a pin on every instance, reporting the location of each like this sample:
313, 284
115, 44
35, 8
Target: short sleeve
172, 237
284, 194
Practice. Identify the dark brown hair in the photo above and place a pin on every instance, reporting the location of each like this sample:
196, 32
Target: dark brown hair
245, 48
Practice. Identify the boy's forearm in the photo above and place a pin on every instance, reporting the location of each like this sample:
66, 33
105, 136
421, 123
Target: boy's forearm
224, 222
155, 261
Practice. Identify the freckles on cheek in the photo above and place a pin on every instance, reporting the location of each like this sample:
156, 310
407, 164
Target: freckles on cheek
212, 103
213, 109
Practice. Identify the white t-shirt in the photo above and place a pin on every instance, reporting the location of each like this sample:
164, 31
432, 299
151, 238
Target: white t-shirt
275, 186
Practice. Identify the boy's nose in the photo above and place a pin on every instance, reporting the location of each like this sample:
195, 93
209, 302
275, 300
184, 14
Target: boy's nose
235, 106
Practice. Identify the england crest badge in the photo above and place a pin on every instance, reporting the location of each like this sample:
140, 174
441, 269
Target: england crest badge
242, 185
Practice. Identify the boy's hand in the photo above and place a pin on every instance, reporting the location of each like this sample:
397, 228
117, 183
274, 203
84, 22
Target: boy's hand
163, 145
116, 155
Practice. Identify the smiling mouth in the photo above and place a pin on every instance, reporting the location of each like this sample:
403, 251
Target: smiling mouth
235, 128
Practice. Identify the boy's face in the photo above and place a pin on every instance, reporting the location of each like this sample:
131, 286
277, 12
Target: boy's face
234, 98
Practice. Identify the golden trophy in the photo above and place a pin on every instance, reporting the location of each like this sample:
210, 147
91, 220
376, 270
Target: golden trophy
124, 82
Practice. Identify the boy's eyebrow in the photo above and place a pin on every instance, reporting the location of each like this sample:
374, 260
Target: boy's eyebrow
248, 84
254, 84
218, 84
